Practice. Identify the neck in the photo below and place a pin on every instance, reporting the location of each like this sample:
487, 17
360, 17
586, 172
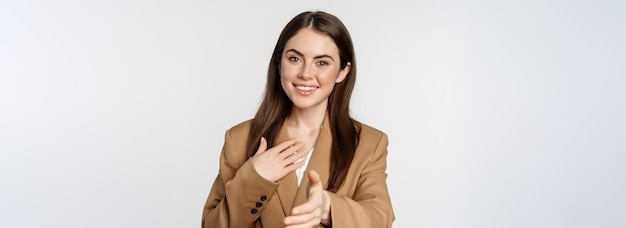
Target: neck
310, 120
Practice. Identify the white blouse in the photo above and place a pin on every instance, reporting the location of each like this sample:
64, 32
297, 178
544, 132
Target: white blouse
300, 172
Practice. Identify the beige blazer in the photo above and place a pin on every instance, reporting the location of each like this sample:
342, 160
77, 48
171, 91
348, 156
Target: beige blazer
241, 198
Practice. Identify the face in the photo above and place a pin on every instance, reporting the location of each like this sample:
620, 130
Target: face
309, 69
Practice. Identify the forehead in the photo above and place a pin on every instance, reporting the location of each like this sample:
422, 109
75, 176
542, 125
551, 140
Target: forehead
310, 42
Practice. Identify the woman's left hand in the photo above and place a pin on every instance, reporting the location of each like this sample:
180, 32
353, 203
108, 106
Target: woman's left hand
315, 211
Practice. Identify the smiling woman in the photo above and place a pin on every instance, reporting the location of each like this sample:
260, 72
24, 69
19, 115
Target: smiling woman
302, 161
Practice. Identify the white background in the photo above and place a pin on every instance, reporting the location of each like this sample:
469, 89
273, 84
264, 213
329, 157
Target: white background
499, 113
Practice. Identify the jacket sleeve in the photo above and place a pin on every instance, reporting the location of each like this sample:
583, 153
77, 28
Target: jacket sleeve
237, 190
370, 206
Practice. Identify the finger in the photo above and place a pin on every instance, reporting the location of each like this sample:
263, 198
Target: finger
305, 208
310, 224
292, 166
295, 149
297, 153
315, 184
300, 219
284, 145
314, 177
315, 187
262, 146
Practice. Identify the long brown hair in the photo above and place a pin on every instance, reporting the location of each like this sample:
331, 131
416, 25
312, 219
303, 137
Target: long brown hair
276, 105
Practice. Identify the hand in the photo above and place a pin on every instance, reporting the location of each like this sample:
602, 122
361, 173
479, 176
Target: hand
315, 211
278, 161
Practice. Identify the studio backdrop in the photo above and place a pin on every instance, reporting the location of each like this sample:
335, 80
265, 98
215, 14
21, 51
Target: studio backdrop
499, 113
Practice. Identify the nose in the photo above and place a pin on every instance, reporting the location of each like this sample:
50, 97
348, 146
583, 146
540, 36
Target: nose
307, 72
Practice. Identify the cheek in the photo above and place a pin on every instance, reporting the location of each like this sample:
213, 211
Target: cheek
288, 72
284, 69
329, 76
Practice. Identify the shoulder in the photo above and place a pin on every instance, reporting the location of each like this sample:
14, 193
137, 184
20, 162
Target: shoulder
371, 137
234, 149
372, 146
242, 128
370, 132
238, 134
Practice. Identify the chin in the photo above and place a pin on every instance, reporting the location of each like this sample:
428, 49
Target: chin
304, 106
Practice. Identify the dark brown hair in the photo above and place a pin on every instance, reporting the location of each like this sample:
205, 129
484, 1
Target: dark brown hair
276, 105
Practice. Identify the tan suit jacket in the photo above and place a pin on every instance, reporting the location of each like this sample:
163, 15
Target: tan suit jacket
241, 198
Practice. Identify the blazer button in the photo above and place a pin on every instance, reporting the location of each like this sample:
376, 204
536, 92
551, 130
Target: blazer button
253, 211
263, 198
259, 204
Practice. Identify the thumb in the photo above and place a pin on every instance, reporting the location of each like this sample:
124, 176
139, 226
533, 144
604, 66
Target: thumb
262, 146
314, 178
314, 182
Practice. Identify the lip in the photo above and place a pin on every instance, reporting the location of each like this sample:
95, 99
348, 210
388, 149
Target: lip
305, 90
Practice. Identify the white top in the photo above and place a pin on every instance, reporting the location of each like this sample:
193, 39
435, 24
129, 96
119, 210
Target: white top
300, 172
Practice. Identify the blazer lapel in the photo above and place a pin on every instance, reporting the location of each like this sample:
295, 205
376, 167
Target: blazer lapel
288, 185
320, 162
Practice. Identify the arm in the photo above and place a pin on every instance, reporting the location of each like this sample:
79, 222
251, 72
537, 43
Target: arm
236, 190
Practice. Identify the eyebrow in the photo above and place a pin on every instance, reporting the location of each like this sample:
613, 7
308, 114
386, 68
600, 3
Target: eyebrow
316, 57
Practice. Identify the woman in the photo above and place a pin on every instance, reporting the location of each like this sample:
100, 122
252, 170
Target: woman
303, 161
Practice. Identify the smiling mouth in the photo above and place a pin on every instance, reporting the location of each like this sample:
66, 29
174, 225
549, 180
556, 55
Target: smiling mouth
306, 88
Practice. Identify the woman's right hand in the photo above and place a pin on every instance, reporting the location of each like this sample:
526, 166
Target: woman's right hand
278, 161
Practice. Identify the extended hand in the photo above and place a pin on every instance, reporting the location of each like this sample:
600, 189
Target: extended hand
278, 161
315, 211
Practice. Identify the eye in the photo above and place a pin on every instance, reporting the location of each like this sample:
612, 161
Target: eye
322, 63
294, 59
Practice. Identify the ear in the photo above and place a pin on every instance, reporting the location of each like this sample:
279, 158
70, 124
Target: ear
343, 73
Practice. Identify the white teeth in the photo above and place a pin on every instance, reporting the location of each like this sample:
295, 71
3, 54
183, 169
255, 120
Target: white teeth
305, 88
